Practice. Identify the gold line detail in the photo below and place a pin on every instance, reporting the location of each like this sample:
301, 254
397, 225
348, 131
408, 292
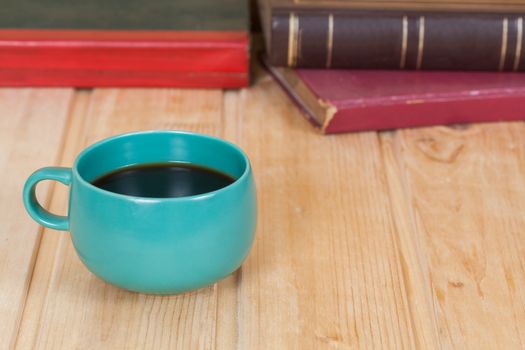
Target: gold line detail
519, 37
330, 41
404, 43
293, 24
504, 39
421, 42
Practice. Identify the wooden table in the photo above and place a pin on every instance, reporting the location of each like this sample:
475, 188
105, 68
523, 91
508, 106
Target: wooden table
406, 239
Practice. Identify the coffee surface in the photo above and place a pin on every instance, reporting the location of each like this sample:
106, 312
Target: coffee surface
163, 180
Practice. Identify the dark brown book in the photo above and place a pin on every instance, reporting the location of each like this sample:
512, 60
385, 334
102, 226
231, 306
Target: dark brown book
389, 34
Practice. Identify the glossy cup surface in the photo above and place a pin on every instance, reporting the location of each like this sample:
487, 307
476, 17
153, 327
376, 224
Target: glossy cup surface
161, 245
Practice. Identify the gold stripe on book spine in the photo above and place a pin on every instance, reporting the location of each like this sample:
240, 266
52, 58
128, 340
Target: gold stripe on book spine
404, 43
519, 37
330, 41
504, 39
293, 24
421, 42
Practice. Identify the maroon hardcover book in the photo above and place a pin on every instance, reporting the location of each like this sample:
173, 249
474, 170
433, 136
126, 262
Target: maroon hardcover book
352, 100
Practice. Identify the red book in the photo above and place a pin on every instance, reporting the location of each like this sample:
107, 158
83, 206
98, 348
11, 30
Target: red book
351, 100
182, 43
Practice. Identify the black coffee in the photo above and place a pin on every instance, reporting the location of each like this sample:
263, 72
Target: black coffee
163, 180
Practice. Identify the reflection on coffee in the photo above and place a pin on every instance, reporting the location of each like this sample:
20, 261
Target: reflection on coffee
163, 180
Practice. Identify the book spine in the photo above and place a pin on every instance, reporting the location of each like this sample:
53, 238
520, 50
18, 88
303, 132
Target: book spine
398, 40
123, 59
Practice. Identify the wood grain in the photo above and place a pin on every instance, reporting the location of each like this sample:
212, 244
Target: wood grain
32, 125
324, 272
463, 196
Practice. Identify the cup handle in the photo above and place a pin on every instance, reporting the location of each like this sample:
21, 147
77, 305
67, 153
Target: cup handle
35, 210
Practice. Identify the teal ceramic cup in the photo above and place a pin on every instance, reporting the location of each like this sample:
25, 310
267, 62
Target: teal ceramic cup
154, 245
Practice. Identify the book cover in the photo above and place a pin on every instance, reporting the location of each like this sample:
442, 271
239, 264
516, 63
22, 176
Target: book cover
338, 101
183, 43
390, 34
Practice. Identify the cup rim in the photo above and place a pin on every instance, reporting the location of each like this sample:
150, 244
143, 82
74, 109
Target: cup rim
90, 148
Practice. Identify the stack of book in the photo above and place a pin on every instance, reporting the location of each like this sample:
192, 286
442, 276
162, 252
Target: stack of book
380, 64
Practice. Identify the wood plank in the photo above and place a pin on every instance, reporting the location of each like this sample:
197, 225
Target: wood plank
324, 271
412, 252
227, 323
53, 240
464, 190
81, 311
32, 124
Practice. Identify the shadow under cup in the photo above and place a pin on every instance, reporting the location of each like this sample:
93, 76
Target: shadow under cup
162, 245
